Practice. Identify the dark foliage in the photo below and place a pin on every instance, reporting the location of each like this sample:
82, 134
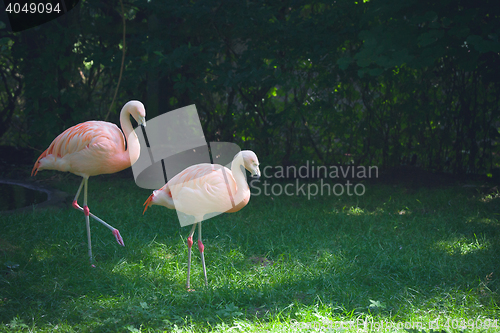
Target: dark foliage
383, 83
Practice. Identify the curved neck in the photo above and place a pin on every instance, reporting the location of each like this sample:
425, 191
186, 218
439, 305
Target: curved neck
133, 146
238, 170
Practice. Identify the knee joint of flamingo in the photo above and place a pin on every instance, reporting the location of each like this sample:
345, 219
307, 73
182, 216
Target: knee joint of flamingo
201, 247
76, 205
190, 242
86, 210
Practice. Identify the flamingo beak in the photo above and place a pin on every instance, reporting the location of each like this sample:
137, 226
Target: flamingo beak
141, 121
256, 174
34, 171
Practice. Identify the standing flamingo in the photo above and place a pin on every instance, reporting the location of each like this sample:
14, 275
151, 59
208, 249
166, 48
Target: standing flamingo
204, 189
94, 148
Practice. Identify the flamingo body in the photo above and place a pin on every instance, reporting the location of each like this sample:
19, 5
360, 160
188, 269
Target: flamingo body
87, 149
199, 190
93, 148
205, 189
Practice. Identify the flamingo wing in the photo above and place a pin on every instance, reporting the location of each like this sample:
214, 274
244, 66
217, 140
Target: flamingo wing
204, 187
204, 175
163, 196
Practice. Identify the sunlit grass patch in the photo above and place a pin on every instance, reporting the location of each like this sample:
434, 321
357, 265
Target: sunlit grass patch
463, 246
281, 264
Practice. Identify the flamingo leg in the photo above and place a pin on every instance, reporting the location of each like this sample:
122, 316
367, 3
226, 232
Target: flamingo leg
87, 222
86, 212
190, 244
75, 205
78, 193
201, 247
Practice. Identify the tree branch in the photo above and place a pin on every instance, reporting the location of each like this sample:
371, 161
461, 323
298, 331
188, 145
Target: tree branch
123, 62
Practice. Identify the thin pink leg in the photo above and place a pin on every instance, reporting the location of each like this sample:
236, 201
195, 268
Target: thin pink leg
86, 212
190, 244
201, 247
75, 200
75, 205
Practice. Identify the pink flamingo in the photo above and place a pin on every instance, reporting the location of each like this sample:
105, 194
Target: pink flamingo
204, 189
94, 148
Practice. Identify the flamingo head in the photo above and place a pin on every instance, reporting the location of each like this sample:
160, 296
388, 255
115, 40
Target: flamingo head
251, 162
161, 197
137, 111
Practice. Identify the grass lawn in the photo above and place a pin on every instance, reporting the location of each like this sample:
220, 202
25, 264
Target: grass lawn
396, 259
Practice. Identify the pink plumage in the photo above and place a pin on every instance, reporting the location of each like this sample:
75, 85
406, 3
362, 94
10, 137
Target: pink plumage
87, 149
206, 189
93, 148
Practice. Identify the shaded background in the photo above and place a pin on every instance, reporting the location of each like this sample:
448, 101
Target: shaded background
384, 82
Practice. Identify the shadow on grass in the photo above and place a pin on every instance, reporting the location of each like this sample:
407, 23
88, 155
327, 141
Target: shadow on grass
389, 253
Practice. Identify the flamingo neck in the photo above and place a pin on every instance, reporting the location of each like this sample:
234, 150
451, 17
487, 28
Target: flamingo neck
242, 189
133, 146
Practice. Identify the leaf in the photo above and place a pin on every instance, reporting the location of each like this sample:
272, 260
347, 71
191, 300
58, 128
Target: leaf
429, 37
132, 329
482, 45
430, 16
376, 305
17, 323
459, 31
363, 58
344, 62
376, 71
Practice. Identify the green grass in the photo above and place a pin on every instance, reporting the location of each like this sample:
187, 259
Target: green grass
427, 258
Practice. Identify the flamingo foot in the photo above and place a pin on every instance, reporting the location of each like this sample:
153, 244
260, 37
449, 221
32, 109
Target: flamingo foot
118, 237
